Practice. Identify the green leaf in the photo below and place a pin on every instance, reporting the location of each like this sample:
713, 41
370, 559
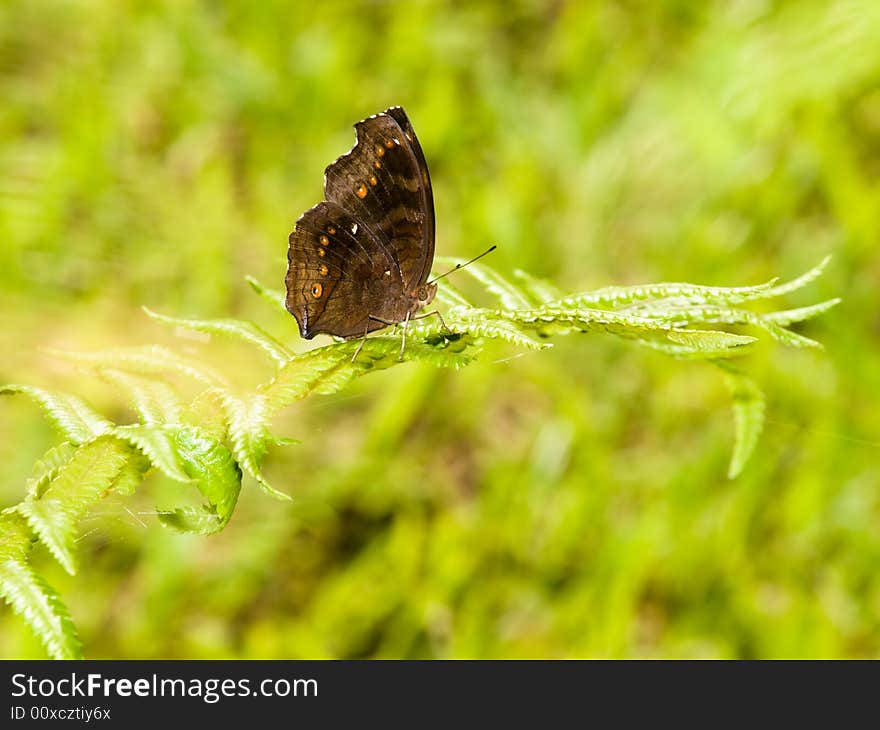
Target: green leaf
154, 400
450, 296
326, 370
132, 473
275, 297
800, 282
207, 414
147, 360
540, 291
196, 520
68, 414
665, 294
712, 314
187, 455
29, 595
787, 337
790, 316
157, 443
247, 429
238, 329
748, 416
700, 345
209, 464
48, 466
509, 295
455, 352
85, 480
303, 374
710, 342
626, 325
500, 329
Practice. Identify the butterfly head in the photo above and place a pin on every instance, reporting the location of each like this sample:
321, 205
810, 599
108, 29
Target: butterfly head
424, 295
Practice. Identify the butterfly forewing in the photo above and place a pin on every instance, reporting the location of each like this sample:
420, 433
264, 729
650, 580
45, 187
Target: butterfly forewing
360, 260
427, 194
384, 182
339, 275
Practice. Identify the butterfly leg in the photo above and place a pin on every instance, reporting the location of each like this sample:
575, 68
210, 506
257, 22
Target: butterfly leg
403, 336
361, 345
387, 322
431, 314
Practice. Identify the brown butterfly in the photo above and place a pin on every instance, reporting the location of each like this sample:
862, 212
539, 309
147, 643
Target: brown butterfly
360, 260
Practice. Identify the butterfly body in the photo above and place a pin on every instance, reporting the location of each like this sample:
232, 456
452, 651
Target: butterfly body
359, 260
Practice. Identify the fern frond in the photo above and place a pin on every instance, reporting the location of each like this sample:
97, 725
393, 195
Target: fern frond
157, 443
304, 373
540, 291
658, 295
326, 370
275, 297
28, 593
235, 328
448, 295
801, 314
211, 467
556, 319
70, 416
48, 466
482, 323
689, 352
709, 343
131, 475
712, 314
146, 360
798, 283
440, 351
221, 434
153, 400
206, 413
196, 520
80, 484
509, 295
749, 405
247, 429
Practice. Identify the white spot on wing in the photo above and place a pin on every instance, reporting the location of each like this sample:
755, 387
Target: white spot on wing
354, 229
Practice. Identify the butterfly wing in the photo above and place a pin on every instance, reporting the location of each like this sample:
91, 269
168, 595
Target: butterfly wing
338, 274
384, 182
427, 192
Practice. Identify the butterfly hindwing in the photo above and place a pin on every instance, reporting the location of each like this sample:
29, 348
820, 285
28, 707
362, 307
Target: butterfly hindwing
339, 274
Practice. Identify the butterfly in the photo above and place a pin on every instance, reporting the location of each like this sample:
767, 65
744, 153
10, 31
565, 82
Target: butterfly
360, 260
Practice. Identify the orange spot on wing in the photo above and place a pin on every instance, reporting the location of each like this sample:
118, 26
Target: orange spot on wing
361, 191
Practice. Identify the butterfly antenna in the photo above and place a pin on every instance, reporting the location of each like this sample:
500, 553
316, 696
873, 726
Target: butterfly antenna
466, 263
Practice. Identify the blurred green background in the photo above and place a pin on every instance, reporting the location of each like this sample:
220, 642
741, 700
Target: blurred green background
569, 503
